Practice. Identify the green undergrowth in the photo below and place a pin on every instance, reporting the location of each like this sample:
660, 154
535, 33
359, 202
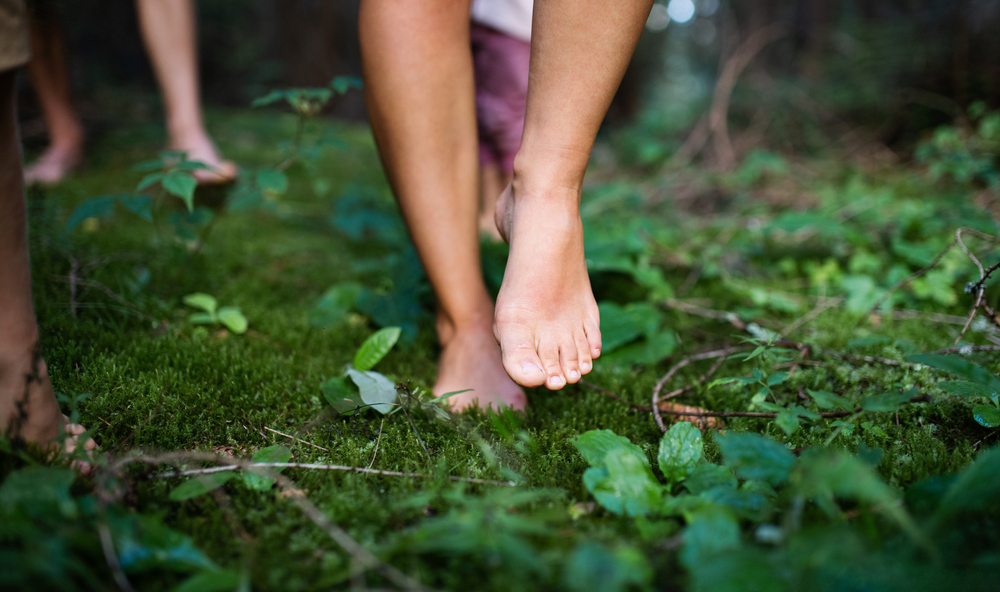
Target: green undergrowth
323, 261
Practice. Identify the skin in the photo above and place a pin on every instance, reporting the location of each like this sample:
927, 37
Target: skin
169, 33
492, 181
28, 406
419, 90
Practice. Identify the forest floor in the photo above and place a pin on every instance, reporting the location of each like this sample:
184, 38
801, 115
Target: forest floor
788, 256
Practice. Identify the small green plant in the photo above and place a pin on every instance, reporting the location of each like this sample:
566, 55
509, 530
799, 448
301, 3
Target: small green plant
229, 316
979, 384
965, 154
371, 389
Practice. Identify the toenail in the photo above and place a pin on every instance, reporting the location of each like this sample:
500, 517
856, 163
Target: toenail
574, 375
529, 368
556, 381
586, 366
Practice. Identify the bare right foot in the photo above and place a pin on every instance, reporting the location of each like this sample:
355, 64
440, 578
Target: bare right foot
54, 165
471, 360
200, 148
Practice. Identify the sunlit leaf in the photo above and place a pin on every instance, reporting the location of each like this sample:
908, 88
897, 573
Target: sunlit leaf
375, 348
680, 450
595, 445
233, 319
376, 390
205, 302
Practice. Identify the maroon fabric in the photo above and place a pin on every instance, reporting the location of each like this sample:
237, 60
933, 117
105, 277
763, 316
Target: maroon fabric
501, 69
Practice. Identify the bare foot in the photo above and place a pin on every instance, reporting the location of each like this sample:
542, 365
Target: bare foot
54, 165
471, 360
200, 148
546, 322
28, 407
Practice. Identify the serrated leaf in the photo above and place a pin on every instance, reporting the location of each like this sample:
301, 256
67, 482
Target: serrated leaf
986, 415
755, 457
959, 367
272, 181
964, 388
680, 450
340, 395
182, 185
205, 302
376, 390
595, 445
199, 485
626, 485
210, 581
271, 454
376, 347
828, 400
233, 319
97, 206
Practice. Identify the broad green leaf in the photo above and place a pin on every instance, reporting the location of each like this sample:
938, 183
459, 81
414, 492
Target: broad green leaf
712, 530
886, 402
140, 205
375, 348
97, 206
182, 185
596, 444
376, 390
680, 450
210, 581
272, 181
626, 486
777, 378
233, 319
963, 388
986, 415
707, 476
341, 396
593, 568
334, 305
205, 302
828, 400
199, 485
150, 179
271, 454
203, 318
959, 367
755, 457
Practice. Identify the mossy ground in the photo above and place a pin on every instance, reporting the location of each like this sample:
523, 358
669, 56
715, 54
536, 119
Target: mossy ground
158, 383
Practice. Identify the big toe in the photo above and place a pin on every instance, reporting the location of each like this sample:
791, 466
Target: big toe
520, 359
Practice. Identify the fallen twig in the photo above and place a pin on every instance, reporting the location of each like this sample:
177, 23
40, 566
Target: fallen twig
296, 439
670, 373
377, 442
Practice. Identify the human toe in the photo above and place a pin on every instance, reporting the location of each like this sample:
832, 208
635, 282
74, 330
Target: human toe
551, 364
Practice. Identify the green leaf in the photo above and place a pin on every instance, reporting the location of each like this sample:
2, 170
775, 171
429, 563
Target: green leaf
959, 367
97, 206
334, 305
233, 319
623, 324
205, 302
986, 415
593, 568
755, 457
272, 181
341, 396
210, 581
777, 378
342, 84
199, 485
140, 205
964, 389
376, 347
787, 420
712, 530
680, 450
203, 318
705, 477
271, 454
182, 185
376, 390
886, 402
150, 179
626, 485
595, 445
977, 488
828, 400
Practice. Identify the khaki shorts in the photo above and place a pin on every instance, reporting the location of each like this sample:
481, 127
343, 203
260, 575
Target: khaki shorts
14, 50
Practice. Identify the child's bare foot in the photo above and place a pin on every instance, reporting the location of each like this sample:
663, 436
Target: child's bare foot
200, 148
471, 360
546, 321
54, 165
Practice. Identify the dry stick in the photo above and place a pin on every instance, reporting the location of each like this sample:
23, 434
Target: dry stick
322, 467
670, 373
752, 414
377, 442
339, 536
296, 439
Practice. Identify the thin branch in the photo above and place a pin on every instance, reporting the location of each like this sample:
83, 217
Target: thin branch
981, 284
670, 373
753, 414
377, 442
296, 439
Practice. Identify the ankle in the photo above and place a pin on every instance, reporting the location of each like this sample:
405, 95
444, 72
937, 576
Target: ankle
449, 326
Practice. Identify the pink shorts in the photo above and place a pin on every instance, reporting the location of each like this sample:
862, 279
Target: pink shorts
501, 69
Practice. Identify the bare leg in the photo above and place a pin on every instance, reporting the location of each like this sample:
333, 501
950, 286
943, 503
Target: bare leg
28, 406
50, 78
546, 317
419, 91
169, 31
492, 181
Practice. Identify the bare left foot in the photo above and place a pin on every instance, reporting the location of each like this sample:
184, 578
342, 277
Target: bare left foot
200, 148
54, 165
471, 360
